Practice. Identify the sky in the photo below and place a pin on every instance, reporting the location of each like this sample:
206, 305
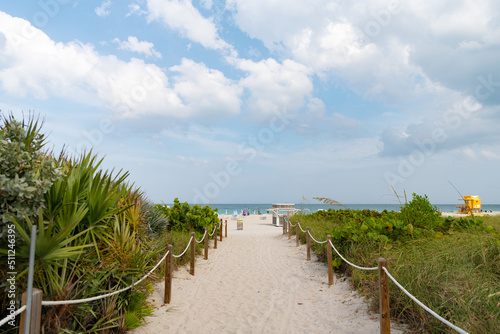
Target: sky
260, 101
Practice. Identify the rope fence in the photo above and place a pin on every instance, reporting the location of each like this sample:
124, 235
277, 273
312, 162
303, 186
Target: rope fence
13, 315
185, 250
352, 264
434, 314
35, 319
86, 300
316, 241
204, 234
383, 281
213, 232
303, 231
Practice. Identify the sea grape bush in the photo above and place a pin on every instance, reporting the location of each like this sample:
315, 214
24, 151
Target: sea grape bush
27, 173
186, 218
417, 218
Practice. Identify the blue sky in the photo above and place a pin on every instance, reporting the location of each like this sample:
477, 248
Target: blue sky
258, 101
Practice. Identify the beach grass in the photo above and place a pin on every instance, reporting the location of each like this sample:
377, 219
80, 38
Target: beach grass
456, 276
490, 220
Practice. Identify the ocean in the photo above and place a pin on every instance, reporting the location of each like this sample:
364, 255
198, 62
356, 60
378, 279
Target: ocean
254, 208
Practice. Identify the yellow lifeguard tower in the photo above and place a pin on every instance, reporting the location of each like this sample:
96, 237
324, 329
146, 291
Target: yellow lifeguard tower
472, 204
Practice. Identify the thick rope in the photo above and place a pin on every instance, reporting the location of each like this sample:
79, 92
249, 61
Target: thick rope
12, 316
78, 301
318, 242
293, 224
459, 330
213, 232
304, 231
187, 247
355, 266
204, 234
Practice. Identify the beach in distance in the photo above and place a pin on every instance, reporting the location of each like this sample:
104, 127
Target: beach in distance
308, 207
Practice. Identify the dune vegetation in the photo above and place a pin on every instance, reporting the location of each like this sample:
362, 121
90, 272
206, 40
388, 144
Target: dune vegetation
97, 233
452, 265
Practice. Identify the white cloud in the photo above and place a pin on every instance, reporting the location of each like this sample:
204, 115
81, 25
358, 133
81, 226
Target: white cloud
103, 9
34, 65
488, 154
275, 87
135, 9
386, 50
206, 92
181, 15
275, 22
134, 45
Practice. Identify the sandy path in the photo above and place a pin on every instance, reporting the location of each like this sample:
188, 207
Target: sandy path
258, 281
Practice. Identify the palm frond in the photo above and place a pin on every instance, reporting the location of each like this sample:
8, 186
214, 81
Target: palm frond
329, 201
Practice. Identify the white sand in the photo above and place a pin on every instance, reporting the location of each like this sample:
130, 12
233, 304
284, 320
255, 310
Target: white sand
458, 215
258, 281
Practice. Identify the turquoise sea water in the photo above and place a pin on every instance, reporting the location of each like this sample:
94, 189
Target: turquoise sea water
230, 208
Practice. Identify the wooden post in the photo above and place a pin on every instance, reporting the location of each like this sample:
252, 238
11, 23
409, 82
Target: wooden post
385, 314
284, 227
297, 233
289, 230
215, 237
221, 230
225, 227
168, 276
193, 252
308, 242
35, 314
206, 243
329, 257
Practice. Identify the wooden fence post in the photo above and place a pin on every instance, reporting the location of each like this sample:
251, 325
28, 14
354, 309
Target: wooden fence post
193, 252
297, 233
308, 242
215, 237
289, 230
329, 257
221, 230
284, 227
225, 229
385, 314
206, 243
168, 276
36, 312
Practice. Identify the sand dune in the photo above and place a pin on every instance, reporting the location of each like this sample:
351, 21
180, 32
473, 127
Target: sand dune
258, 281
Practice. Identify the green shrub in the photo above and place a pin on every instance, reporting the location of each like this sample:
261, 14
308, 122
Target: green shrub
457, 276
420, 213
186, 218
27, 173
